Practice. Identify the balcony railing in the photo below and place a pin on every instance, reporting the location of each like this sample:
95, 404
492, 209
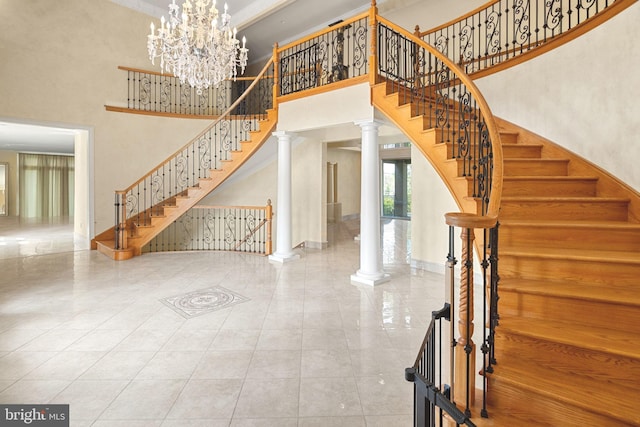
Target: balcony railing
153, 92
218, 228
504, 32
335, 54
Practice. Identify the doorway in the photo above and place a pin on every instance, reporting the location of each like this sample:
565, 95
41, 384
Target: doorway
396, 188
71, 141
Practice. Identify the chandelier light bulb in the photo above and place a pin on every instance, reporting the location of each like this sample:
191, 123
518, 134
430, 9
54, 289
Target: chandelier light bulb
195, 48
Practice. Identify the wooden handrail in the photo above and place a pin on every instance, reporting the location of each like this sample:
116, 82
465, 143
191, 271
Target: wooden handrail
229, 207
223, 115
458, 19
159, 73
496, 188
530, 50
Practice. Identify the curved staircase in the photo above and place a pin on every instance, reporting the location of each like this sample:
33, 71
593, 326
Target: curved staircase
566, 347
144, 226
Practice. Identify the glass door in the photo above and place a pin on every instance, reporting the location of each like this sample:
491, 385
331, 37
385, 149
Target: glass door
396, 188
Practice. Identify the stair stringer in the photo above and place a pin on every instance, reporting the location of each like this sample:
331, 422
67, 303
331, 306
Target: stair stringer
141, 235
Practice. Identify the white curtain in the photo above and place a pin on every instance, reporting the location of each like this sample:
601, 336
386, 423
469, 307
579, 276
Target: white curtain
46, 185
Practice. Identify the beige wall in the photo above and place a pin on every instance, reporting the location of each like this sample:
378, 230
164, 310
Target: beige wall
348, 179
82, 194
308, 191
583, 96
11, 158
429, 14
60, 64
430, 201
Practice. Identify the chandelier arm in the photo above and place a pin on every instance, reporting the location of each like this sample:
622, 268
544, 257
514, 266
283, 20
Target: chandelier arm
196, 47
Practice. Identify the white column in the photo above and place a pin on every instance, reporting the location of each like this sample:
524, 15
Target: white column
284, 250
370, 272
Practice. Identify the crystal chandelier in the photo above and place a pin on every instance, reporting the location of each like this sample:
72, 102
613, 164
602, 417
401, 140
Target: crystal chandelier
195, 48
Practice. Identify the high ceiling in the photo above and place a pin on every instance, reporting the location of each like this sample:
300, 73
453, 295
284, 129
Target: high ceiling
263, 22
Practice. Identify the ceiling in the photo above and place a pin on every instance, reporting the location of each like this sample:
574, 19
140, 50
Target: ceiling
28, 138
263, 22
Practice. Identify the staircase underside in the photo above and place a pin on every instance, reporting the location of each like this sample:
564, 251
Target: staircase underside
569, 264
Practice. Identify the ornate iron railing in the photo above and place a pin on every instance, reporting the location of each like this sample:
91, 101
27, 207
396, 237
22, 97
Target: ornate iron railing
445, 381
218, 228
447, 101
148, 196
437, 90
504, 30
163, 93
431, 396
338, 53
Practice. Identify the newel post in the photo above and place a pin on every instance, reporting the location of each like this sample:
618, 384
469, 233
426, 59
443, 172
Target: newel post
276, 76
464, 358
121, 221
465, 361
417, 78
373, 55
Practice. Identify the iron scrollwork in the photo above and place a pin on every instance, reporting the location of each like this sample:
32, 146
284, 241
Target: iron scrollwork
360, 49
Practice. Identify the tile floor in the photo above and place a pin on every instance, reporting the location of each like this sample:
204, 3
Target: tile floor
308, 349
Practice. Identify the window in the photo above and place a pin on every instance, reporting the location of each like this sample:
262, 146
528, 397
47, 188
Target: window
396, 188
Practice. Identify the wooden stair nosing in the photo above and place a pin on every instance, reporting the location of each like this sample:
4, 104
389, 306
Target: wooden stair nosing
601, 339
580, 397
544, 223
107, 247
585, 234
585, 208
578, 199
508, 147
506, 397
619, 295
580, 308
553, 253
621, 374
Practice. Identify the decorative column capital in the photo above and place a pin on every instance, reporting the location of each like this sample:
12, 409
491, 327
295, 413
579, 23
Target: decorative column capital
368, 123
283, 134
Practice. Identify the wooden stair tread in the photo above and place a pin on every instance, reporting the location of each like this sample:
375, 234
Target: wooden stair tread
530, 160
550, 178
600, 339
111, 243
605, 225
622, 295
565, 199
555, 252
570, 388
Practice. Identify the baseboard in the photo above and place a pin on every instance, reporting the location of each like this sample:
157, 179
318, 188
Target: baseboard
434, 267
316, 245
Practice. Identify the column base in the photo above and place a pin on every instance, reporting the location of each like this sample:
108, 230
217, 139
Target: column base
282, 258
370, 279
